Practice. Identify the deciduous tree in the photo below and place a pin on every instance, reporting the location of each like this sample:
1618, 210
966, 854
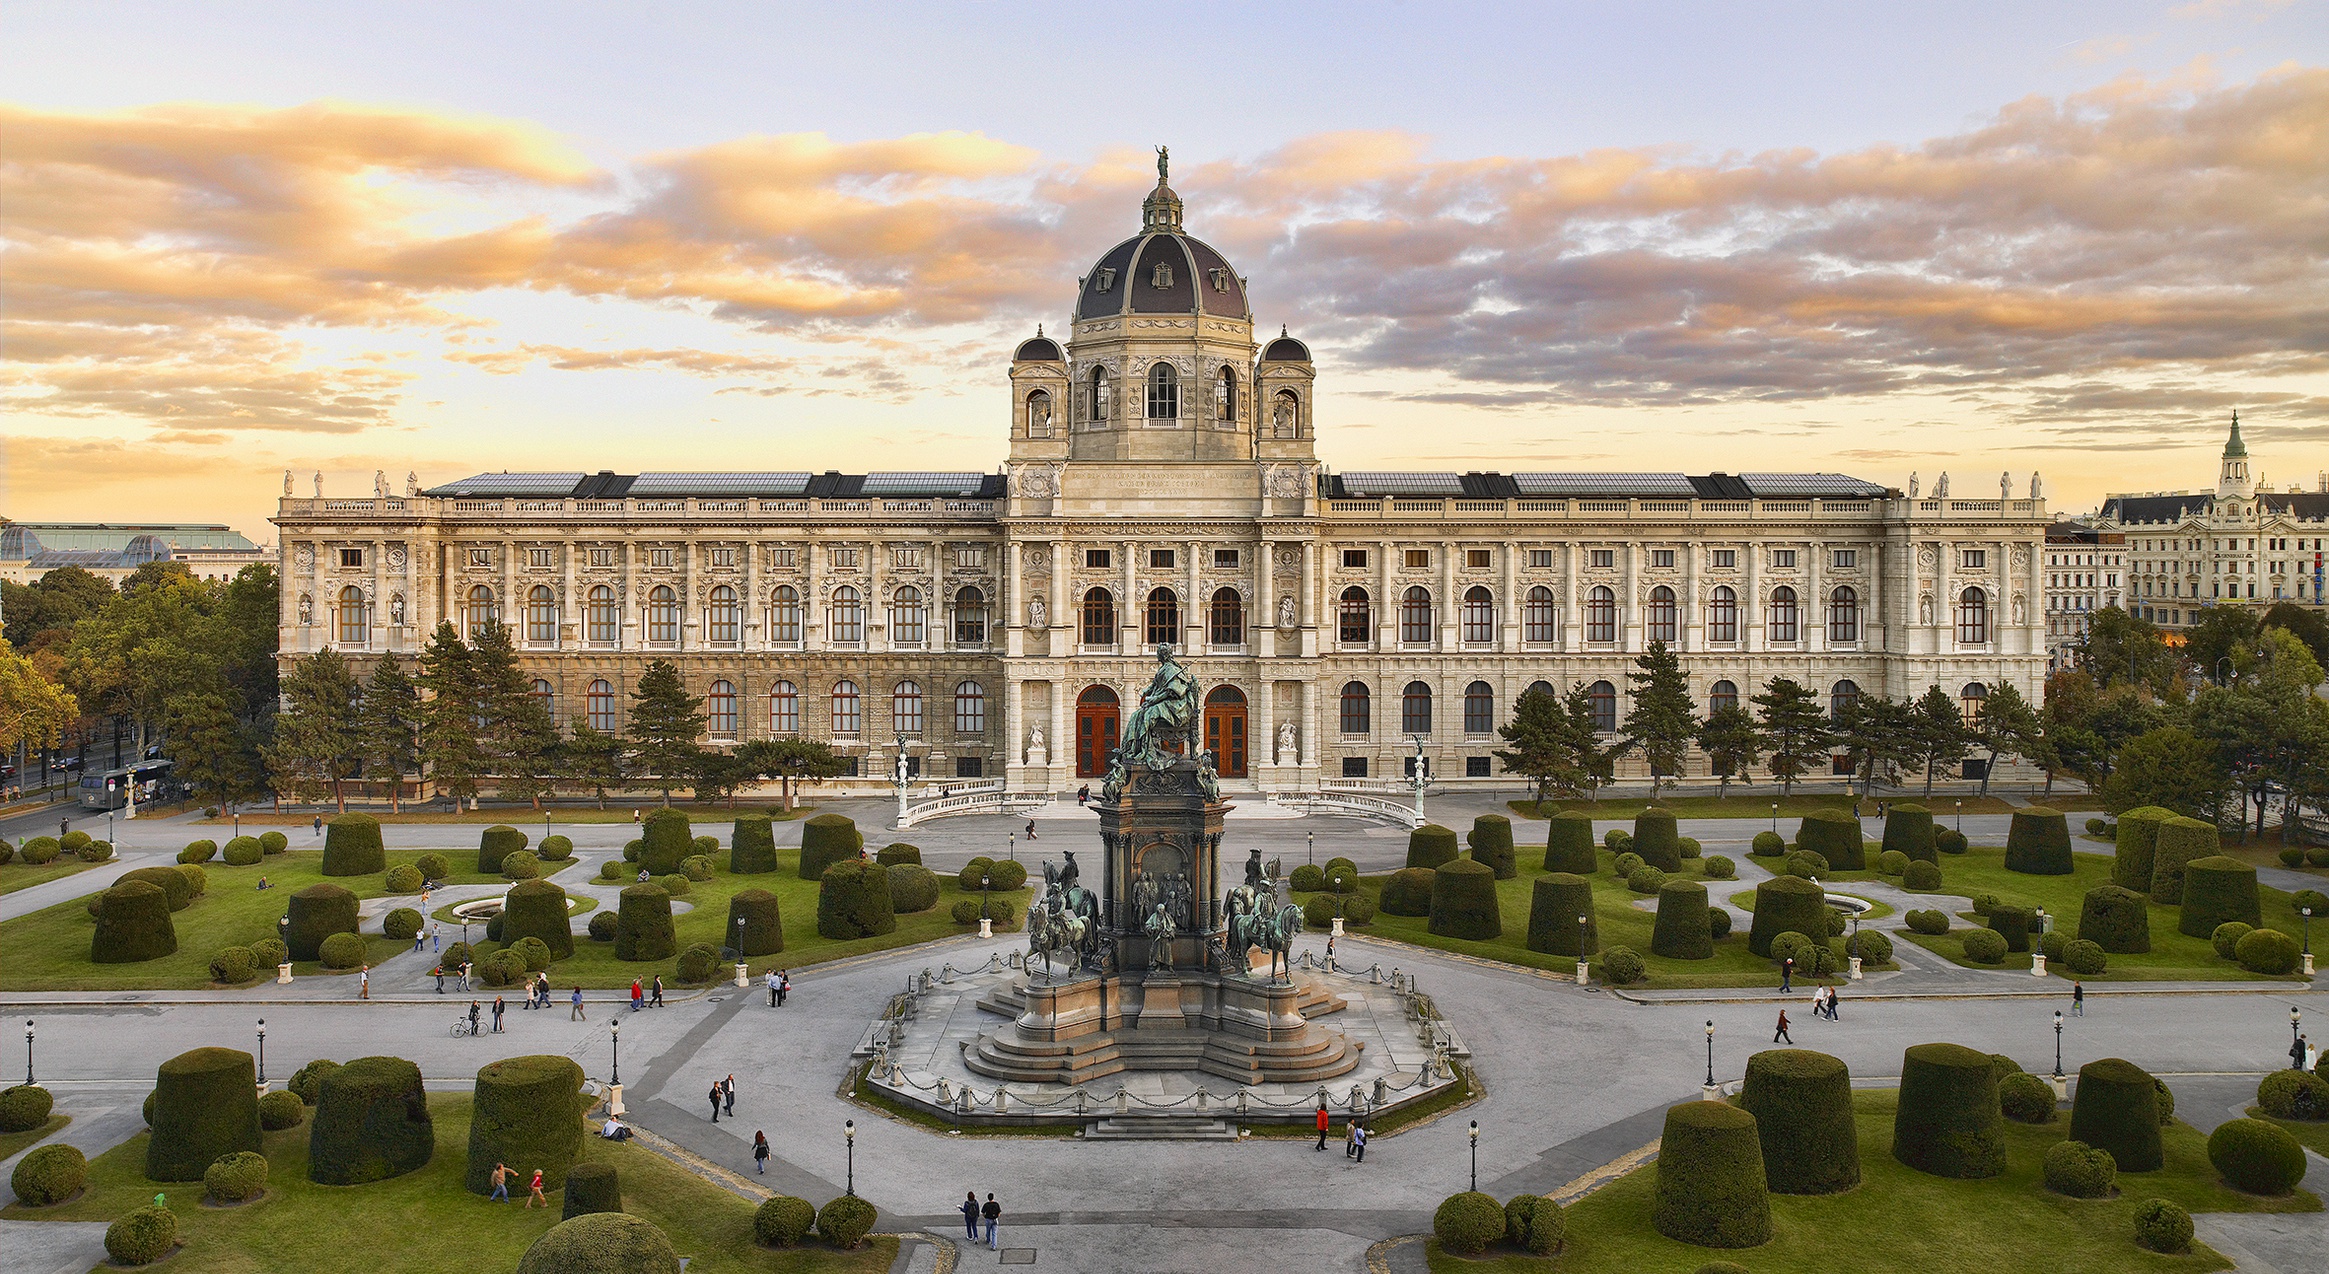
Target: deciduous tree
317, 746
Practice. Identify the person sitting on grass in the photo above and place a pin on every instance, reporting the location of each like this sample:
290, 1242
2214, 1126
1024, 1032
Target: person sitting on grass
614, 1130
263, 883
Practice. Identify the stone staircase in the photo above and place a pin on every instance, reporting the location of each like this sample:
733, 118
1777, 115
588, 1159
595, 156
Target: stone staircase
1159, 1128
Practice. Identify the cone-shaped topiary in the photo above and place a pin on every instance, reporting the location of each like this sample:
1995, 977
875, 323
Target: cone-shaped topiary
1835, 836
1431, 845
174, 884
351, 846
2218, 890
665, 838
371, 1123
1683, 931
2039, 842
643, 928
317, 912
133, 924
2116, 918
752, 846
1802, 1104
1908, 830
853, 900
206, 1104
2180, 840
495, 844
1569, 843
1463, 901
2257, 1157
601, 1243
1949, 1123
1656, 838
1491, 842
1711, 1188
1554, 904
827, 839
592, 1187
1407, 892
2132, 860
1786, 904
537, 909
527, 1114
2116, 1108
763, 931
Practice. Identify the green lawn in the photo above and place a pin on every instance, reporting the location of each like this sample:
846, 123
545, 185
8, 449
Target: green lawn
2314, 1135
11, 1142
1900, 1221
424, 1222
1750, 806
2173, 956
528, 820
18, 874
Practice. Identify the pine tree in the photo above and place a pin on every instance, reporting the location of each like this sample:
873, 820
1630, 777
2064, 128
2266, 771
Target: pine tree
666, 721
316, 745
593, 759
450, 717
1663, 719
1543, 746
1873, 731
1729, 740
1937, 729
2008, 726
389, 719
520, 744
1596, 762
210, 751
790, 761
1792, 730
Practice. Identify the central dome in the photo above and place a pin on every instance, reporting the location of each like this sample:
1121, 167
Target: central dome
1162, 271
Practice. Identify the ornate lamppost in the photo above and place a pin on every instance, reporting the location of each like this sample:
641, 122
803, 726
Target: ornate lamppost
2058, 1045
1774, 818
262, 1052
615, 1033
1475, 1155
1710, 1055
849, 1139
28, 1050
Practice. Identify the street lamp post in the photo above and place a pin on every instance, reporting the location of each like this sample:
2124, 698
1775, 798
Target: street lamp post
2058, 1044
262, 1052
1312, 839
1012, 841
2307, 913
1961, 816
1710, 1054
615, 1033
849, 1139
1475, 1155
28, 1050
2296, 1019
1774, 818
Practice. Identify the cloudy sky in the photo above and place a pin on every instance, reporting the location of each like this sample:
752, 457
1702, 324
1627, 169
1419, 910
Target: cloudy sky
455, 237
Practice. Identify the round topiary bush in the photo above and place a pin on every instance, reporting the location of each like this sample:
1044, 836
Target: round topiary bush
1718, 867
371, 1123
1922, 877
142, 1236
1317, 911
133, 924
2294, 1094
1309, 878
665, 838
1463, 901
752, 845
1928, 922
198, 851
176, 885
2084, 958
521, 866
307, 1082
612, 870
2217, 889
696, 867
1623, 966
1645, 880
232, 966
1767, 845
853, 900
631, 849
763, 930
206, 1104
41, 850
783, 1221
827, 839
1786, 904
2161, 1226
1806, 864
2226, 938
197, 879
601, 1243
845, 1221
1467, 1223
704, 846
2267, 951
603, 925
341, 951
527, 1114
1985, 946
96, 851
404, 878
243, 851
1407, 892
351, 846
1617, 840
2179, 841
1718, 923
1491, 844
1555, 903
25, 1107
913, 887
1892, 862
1690, 847
1950, 841
1431, 845
1870, 946
2038, 843
592, 1187
401, 924
505, 968
459, 953
2079, 1170
1802, 1104
1711, 1187
2026, 1099
1569, 843
2132, 861
1948, 1123
1682, 931
1909, 832
643, 928
2116, 1108
978, 869
236, 1178
555, 849
273, 842
1008, 875
535, 952
281, 1109
1834, 835
537, 909
1534, 1224
317, 912
698, 963
49, 1175
1657, 839
1626, 864
2257, 1157
965, 912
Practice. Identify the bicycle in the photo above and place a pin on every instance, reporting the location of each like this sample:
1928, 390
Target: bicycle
464, 1026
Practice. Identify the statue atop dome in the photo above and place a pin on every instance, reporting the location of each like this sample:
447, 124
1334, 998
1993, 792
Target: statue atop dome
1164, 159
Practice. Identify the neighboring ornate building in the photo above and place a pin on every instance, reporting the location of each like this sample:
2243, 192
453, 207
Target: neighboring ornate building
1163, 485
2241, 544
114, 550
2083, 566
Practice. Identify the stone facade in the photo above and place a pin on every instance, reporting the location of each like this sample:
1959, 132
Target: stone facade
2241, 545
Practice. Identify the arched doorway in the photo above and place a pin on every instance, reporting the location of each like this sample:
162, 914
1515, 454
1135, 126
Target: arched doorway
1225, 730
1096, 720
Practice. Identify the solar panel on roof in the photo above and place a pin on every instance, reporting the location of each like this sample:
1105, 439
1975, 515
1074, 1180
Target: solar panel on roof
1811, 484
679, 484
1381, 482
923, 483
541, 484
1610, 485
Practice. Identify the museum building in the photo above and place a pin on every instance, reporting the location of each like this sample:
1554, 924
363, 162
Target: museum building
1164, 486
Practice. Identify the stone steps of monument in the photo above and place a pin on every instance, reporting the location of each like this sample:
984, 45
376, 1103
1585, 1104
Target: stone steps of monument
1159, 1128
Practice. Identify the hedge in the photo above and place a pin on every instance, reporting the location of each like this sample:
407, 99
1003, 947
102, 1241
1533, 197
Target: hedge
2226, 938
1463, 901
2026, 1099
197, 880
2132, 863
2217, 889
317, 912
2038, 844
351, 846
206, 1104
696, 867
1908, 831
827, 839
1534, 1224
1928, 922
243, 851
1431, 845
1617, 841
2294, 1094
643, 928
2116, 918
175, 884
1892, 862
601, 1243
236, 1178
2180, 840
1835, 836
1948, 1123
2257, 1157
49, 1175
913, 887
1950, 841
307, 1082
1767, 845
1623, 966
1569, 843
1718, 867
2116, 1108
1308, 878
41, 850
133, 924
2012, 924
1467, 1223
853, 900
665, 838
1657, 839
2079, 1170
25, 1107
1786, 904
273, 842
782, 1221
1711, 1187
196, 851
592, 1187
1407, 892
1555, 902
1645, 880
527, 1114
280, 1109
404, 878
1807, 864
143, 1235
341, 951
1872, 947
1491, 842
1682, 931
534, 952
845, 1221
2086, 959
1802, 1104
1626, 864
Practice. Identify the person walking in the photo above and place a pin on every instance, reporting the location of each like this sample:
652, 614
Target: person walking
419, 940
784, 986
577, 1015
1835, 997
499, 1178
760, 1152
436, 938
728, 1093
1330, 952
638, 996
1360, 1140
993, 1214
1787, 974
534, 1189
319, 824
1350, 1138
970, 1215
772, 988
1031, 829
2297, 1054
655, 991
2077, 999
1781, 1033
716, 1093
439, 974
497, 1007
465, 967
1322, 1122
364, 983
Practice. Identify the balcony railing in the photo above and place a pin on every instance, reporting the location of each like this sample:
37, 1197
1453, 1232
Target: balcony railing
1407, 508
636, 510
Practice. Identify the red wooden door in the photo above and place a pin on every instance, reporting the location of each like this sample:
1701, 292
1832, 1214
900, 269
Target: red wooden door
1225, 730
1096, 724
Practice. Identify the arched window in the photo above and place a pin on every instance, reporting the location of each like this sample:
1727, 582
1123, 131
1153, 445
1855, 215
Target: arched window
1227, 618
1164, 617
355, 617
1225, 396
541, 616
906, 707
1039, 414
784, 708
1539, 619
909, 619
1782, 622
1101, 398
545, 695
1844, 615
483, 614
1602, 698
970, 617
1164, 392
1842, 697
1415, 709
663, 616
1659, 619
1722, 615
848, 616
784, 614
848, 711
1415, 616
1722, 696
1479, 615
970, 708
1358, 708
1099, 618
601, 618
720, 710
599, 705
1357, 618
1479, 708
1540, 688
1972, 617
1972, 701
1601, 614
723, 618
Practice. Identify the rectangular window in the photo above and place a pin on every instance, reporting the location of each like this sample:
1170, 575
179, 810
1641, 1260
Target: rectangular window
351, 557
539, 559
1354, 767
1160, 559
661, 557
1975, 559
970, 767
602, 557
1846, 559
1604, 559
481, 557
1416, 558
1356, 558
1662, 558
1540, 559
1476, 767
1783, 559
1725, 559
970, 556
783, 558
723, 557
1096, 558
845, 559
1479, 559
906, 557
1225, 559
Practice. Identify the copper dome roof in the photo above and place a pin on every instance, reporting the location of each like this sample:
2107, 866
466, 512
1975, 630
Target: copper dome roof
1162, 270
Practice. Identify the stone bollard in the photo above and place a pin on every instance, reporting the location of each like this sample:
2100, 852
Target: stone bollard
1002, 1098
1584, 973
1201, 1102
743, 974
1382, 1090
1337, 931
986, 926
2308, 964
2037, 964
1855, 968
925, 982
283, 974
1123, 1102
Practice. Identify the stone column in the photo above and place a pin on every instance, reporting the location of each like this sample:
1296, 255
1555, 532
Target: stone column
1264, 634
1063, 611
749, 633
1815, 630
1572, 613
376, 625
1309, 601
1448, 614
1131, 607
812, 601
1873, 629
1629, 606
1193, 619
1691, 610
1014, 770
877, 608
1751, 604
1387, 604
1011, 599
1508, 627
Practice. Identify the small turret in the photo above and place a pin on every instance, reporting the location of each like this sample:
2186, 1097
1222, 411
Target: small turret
2233, 479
